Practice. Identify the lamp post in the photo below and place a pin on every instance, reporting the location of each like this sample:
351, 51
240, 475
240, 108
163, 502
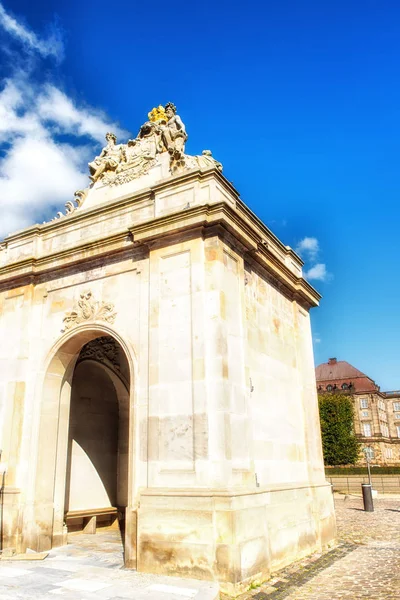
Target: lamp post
367, 487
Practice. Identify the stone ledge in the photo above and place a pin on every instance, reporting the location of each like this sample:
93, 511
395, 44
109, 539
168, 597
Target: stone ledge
10, 490
231, 493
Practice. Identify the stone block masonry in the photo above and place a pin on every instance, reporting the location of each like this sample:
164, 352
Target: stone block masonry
161, 365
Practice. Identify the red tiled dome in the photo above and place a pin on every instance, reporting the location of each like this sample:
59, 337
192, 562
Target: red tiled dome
339, 372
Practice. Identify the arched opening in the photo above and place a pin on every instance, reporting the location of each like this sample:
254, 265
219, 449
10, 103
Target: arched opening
87, 392
97, 464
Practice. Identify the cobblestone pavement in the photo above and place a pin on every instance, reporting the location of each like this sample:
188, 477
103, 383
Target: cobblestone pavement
365, 564
91, 568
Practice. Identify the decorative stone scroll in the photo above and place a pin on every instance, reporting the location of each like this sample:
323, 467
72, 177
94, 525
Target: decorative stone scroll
87, 309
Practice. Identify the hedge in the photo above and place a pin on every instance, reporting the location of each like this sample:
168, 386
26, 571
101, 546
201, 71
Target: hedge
361, 471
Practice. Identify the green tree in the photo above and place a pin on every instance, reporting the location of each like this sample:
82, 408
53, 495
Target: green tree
339, 443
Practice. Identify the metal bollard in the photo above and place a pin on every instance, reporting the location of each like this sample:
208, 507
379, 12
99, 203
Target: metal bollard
367, 497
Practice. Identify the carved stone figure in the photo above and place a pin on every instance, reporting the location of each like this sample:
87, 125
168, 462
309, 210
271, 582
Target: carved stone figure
108, 160
164, 132
174, 133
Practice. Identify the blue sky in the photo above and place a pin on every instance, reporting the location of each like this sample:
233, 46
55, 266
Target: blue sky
300, 101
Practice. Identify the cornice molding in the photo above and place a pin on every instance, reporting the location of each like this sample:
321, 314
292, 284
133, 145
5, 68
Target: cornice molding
256, 240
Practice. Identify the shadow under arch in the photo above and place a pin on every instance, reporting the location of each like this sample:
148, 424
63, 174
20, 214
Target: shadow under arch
97, 464
44, 517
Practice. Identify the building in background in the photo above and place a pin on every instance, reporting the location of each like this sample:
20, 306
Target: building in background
376, 413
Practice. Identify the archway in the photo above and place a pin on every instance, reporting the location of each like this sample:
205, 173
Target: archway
75, 353
96, 492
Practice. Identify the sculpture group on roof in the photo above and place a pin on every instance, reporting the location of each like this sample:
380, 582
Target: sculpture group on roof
163, 135
163, 132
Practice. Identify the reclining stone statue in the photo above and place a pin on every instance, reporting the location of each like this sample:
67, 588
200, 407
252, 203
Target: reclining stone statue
108, 160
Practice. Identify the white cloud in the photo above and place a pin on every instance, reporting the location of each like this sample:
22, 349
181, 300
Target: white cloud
46, 139
309, 250
15, 119
55, 107
317, 272
52, 46
38, 172
308, 247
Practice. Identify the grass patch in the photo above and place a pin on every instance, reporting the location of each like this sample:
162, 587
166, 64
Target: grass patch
255, 584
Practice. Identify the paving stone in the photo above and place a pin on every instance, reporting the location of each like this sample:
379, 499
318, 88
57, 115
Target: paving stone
365, 564
91, 567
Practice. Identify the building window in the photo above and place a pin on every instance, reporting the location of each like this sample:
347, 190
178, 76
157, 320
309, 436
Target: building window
364, 403
397, 416
369, 452
367, 429
381, 405
384, 430
330, 388
396, 405
389, 453
365, 414
345, 386
398, 430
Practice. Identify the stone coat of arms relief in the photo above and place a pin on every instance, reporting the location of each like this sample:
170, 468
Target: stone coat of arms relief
89, 309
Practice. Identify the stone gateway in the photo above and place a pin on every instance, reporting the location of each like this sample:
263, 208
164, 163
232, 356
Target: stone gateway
156, 367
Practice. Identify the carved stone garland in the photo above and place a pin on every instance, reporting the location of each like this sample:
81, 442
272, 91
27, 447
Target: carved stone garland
89, 309
104, 349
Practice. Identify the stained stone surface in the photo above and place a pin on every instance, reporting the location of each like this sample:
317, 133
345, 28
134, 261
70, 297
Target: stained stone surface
91, 567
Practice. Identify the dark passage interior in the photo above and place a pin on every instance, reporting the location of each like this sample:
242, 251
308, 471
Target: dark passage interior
97, 469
